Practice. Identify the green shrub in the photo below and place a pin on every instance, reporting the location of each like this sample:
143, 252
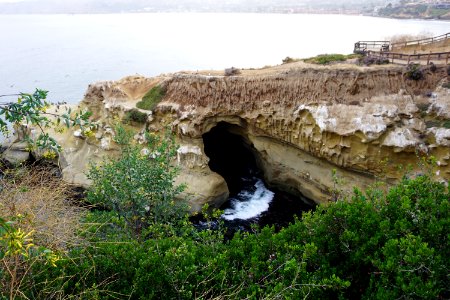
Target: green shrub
151, 98
370, 60
379, 245
139, 187
414, 72
324, 59
134, 115
446, 124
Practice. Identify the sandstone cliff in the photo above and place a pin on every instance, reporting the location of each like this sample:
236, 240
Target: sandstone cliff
300, 121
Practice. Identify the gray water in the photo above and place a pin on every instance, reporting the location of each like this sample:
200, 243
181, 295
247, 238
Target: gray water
64, 53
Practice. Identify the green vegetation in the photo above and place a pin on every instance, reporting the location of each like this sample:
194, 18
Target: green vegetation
414, 72
437, 123
138, 186
134, 115
36, 224
31, 109
376, 245
152, 98
325, 59
414, 10
370, 60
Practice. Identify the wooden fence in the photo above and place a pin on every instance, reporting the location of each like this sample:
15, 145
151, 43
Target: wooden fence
428, 57
384, 49
362, 47
420, 42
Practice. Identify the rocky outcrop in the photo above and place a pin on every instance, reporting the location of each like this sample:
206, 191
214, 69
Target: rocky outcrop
300, 121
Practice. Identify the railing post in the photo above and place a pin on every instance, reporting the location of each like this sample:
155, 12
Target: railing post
446, 60
428, 59
409, 58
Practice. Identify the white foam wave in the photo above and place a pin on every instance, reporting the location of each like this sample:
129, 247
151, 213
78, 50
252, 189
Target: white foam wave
249, 204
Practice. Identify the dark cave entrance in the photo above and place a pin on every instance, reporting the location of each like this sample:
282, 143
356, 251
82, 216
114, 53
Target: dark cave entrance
233, 156
230, 154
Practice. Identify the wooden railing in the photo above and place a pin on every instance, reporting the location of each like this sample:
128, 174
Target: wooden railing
384, 49
362, 47
420, 42
438, 56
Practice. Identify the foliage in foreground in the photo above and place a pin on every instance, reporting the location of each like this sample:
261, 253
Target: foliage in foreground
37, 223
139, 185
31, 110
376, 246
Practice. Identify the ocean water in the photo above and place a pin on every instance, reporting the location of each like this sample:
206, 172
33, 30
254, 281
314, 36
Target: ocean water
64, 53
250, 202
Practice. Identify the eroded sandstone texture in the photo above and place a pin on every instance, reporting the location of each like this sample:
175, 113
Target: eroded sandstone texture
300, 121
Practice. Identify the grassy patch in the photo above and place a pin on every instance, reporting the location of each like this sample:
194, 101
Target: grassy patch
446, 85
134, 115
324, 59
152, 98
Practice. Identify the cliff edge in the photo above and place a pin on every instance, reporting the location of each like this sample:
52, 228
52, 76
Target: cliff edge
300, 122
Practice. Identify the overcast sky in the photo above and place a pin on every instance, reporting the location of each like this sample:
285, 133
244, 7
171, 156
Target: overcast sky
88, 6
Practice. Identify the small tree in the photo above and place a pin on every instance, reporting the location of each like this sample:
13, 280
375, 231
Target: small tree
31, 109
138, 186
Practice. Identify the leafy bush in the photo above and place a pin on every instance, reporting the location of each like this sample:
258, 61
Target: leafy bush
370, 60
324, 59
232, 71
414, 72
18, 254
134, 115
379, 245
31, 109
151, 98
138, 186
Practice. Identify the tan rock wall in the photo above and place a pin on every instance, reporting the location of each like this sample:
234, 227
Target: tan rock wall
302, 121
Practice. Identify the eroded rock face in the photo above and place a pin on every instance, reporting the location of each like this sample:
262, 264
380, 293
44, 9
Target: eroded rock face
301, 122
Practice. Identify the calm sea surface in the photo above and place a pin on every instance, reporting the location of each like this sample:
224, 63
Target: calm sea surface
64, 53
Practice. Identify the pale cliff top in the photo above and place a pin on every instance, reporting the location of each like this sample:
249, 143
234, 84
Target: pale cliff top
299, 65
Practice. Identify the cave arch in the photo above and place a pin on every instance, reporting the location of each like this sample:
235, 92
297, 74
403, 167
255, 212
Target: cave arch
231, 154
